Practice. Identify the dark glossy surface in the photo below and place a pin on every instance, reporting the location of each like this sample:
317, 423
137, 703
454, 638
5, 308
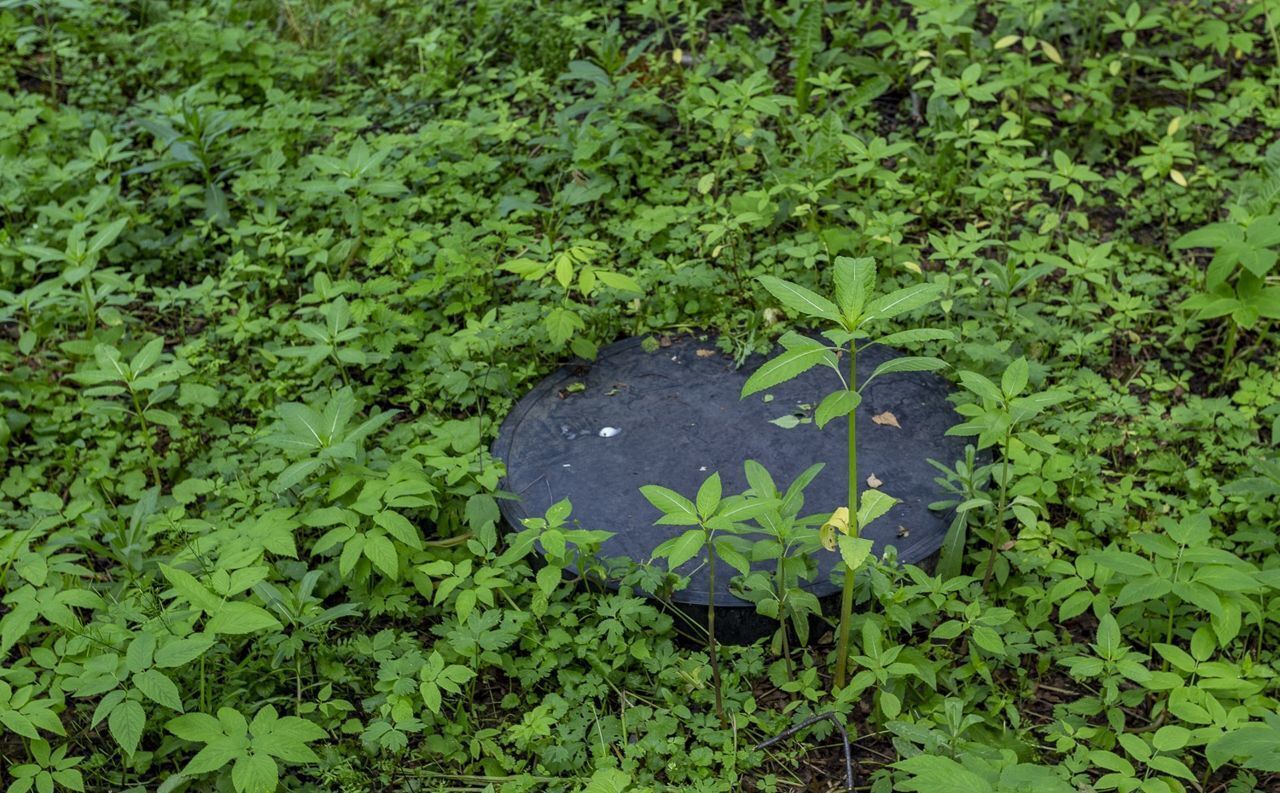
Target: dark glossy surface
678, 419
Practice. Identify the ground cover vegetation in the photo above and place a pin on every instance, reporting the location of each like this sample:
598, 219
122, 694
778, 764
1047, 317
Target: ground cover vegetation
271, 273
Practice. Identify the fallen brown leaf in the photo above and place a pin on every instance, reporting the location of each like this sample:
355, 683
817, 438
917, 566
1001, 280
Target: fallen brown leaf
886, 419
873, 481
706, 353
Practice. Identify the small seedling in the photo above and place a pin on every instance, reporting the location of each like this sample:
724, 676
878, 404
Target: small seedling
718, 529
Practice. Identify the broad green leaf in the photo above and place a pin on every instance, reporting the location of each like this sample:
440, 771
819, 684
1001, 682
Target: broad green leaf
1108, 637
671, 504
561, 324
190, 589
874, 504
785, 366
932, 773
147, 356
548, 579
382, 552
1215, 235
708, 498
18, 724
1025, 407
906, 364
799, 299
901, 301
681, 549
1014, 379
855, 280
255, 773
237, 617
914, 336
619, 281
198, 727
398, 526
125, 723
608, 780
853, 550
106, 236
304, 423
836, 404
159, 688
731, 556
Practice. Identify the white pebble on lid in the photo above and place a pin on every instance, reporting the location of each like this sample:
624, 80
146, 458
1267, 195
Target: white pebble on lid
609, 432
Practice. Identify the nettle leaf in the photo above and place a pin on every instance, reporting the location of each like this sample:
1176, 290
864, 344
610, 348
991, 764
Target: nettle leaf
785, 366
803, 301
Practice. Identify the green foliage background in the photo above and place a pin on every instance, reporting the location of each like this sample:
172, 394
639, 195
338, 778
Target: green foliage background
271, 273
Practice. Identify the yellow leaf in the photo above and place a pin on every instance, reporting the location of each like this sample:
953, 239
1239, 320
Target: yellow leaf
1007, 41
1051, 52
913, 267
677, 55
838, 522
1178, 178
1174, 126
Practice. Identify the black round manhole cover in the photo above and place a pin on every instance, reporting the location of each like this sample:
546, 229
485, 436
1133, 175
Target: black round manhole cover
594, 433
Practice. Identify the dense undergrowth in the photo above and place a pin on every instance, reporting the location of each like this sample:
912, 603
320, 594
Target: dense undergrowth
271, 273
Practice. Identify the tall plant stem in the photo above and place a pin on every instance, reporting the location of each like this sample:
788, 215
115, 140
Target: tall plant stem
995, 530
713, 650
782, 614
846, 596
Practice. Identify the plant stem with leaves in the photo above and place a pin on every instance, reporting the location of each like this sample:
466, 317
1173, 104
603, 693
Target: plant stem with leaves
849, 320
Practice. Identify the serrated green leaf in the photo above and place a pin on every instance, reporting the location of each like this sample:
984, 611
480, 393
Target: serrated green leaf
785, 366
802, 301
680, 549
901, 301
237, 617
855, 280
836, 404
159, 688
126, 723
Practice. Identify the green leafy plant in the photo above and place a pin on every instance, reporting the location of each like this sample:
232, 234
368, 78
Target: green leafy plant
789, 543
850, 319
719, 526
254, 749
999, 417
